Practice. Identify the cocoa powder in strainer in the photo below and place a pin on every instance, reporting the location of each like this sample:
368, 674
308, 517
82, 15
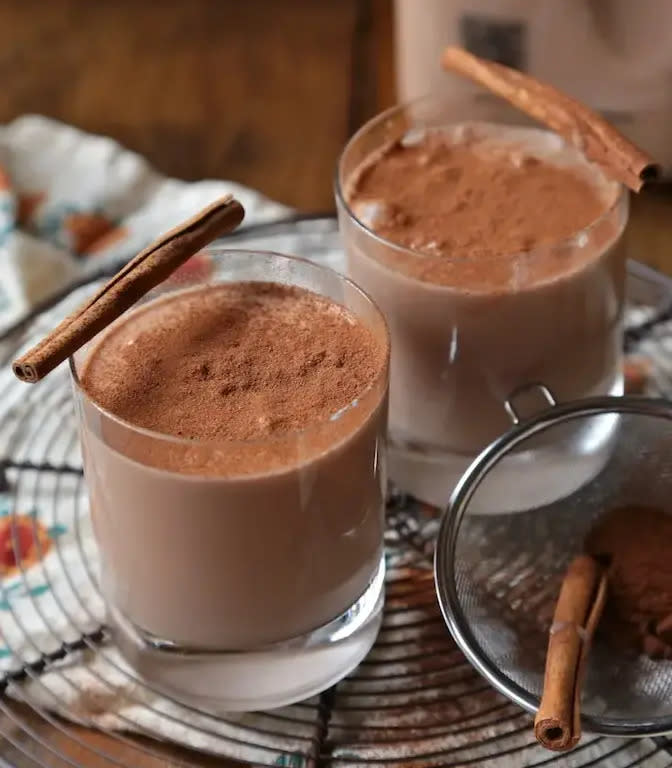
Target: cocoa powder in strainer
636, 544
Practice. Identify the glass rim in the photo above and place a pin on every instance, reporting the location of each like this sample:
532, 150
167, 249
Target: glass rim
291, 435
621, 198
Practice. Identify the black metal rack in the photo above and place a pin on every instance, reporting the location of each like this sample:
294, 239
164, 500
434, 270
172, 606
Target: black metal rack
414, 701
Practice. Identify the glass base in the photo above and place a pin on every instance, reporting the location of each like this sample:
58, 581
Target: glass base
548, 470
260, 678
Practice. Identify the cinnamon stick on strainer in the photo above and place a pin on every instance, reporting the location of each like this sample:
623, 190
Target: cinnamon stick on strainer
599, 141
557, 725
142, 273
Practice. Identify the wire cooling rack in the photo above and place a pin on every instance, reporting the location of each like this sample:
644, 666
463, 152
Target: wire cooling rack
67, 699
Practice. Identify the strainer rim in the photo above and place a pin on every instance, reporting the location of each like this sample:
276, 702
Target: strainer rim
444, 553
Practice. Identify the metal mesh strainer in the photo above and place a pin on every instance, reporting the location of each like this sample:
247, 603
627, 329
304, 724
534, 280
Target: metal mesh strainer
517, 518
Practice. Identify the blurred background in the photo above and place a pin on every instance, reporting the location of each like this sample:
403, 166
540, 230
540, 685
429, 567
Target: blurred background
266, 92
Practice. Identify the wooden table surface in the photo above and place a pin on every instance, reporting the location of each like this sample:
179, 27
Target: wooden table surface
262, 92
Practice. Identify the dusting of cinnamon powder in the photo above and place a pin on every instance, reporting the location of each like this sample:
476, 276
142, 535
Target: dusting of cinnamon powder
234, 362
478, 192
447, 197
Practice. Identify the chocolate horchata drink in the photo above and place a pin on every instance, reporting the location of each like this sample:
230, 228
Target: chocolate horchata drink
233, 442
494, 251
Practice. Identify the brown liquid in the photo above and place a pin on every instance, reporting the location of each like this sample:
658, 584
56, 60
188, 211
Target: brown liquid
266, 521
477, 270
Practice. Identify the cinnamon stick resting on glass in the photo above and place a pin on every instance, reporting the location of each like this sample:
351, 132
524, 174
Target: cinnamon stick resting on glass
142, 273
557, 725
576, 123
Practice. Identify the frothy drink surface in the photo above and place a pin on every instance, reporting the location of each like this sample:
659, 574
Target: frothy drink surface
263, 520
473, 193
472, 197
235, 362
496, 265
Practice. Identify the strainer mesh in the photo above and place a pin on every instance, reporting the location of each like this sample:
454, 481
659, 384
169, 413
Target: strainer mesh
509, 568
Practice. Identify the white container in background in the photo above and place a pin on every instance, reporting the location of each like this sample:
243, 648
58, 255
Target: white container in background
614, 55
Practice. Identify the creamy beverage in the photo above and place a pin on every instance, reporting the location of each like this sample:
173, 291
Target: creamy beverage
493, 252
233, 445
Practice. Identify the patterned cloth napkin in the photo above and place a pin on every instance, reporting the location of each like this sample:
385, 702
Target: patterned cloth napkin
70, 202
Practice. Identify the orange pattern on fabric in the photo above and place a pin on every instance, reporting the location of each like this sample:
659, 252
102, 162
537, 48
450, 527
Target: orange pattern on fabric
27, 206
23, 542
108, 239
4, 180
85, 229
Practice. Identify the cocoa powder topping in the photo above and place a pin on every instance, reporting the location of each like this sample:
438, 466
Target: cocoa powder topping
474, 197
471, 197
234, 362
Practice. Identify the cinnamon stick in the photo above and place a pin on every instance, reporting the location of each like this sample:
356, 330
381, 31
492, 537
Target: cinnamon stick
142, 273
557, 725
576, 123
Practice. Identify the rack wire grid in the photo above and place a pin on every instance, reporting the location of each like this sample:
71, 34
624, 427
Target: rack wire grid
68, 699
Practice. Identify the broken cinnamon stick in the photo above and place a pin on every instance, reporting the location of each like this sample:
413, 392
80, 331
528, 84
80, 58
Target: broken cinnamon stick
142, 273
599, 141
557, 725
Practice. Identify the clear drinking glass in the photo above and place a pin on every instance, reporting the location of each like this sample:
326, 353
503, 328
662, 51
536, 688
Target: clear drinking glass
253, 590
459, 351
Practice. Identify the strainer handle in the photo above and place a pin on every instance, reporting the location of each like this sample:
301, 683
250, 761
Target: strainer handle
509, 403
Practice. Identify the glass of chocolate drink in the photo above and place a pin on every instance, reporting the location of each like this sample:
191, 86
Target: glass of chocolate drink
233, 433
495, 252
